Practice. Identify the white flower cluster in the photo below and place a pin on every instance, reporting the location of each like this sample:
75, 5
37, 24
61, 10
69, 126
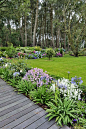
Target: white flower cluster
67, 88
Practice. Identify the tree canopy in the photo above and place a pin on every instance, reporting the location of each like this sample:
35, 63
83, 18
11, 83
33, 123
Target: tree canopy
47, 23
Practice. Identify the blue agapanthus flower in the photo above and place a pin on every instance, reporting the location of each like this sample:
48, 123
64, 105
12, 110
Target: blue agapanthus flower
76, 81
16, 74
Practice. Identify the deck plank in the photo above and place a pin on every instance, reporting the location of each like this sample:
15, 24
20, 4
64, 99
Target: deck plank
32, 111
14, 107
19, 112
30, 120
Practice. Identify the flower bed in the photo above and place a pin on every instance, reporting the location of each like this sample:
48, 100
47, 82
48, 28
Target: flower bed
62, 97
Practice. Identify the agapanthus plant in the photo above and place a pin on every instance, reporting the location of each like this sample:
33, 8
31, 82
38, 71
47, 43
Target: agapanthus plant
37, 75
76, 81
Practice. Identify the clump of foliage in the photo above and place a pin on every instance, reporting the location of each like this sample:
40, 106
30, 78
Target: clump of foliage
25, 87
50, 52
64, 110
11, 51
42, 94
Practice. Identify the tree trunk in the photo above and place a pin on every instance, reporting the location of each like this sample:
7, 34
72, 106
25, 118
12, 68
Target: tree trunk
9, 27
32, 27
47, 35
21, 32
25, 31
42, 31
64, 41
51, 18
68, 45
58, 37
45, 25
56, 40
34, 33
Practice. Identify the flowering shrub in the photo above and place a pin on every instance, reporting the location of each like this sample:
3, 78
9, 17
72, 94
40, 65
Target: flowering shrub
33, 51
34, 55
37, 75
21, 54
44, 55
58, 55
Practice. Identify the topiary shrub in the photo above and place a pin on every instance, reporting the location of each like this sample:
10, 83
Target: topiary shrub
50, 52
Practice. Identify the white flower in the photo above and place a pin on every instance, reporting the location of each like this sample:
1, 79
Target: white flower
6, 65
21, 71
53, 87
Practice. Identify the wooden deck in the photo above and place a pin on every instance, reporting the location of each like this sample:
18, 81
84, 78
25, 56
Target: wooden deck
19, 112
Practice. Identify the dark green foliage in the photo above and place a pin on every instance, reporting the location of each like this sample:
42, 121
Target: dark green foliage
25, 87
14, 81
4, 73
61, 51
42, 95
63, 110
83, 94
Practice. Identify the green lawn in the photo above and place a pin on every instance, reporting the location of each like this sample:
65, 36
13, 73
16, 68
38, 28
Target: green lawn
60, 66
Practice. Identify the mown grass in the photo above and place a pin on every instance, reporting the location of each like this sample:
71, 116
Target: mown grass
61, 65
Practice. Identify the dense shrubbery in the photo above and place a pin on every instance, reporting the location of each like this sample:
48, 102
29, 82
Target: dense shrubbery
29, 52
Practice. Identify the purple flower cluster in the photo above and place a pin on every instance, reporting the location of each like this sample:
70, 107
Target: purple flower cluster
58, 55
76, 81
37, 75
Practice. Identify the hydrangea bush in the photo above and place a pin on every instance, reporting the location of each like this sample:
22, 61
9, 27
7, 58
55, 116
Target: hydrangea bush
20, 54
58, 55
